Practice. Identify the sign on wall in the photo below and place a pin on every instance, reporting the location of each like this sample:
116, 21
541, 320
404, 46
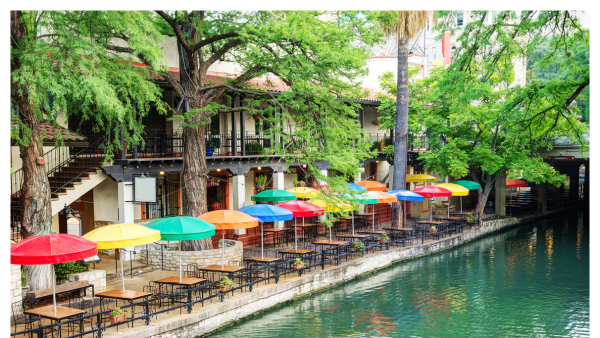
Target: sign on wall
561, 158
144, 189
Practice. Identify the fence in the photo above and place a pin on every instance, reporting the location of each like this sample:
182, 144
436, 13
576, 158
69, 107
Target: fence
246, 281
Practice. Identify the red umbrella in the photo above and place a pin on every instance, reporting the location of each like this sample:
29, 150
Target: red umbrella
301, 209
515, 184
433, 191
322, 187
52, 249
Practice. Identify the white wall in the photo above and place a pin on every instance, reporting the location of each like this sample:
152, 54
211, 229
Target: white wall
106, 201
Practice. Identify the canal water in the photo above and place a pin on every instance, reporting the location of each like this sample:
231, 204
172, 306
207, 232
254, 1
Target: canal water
524, 282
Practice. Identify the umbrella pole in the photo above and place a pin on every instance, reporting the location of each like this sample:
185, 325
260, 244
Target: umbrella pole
122, 276
448, 206
296, 234
53, 287
352, 222
461, 204
261, 242
223, 251
373, 217
179, 260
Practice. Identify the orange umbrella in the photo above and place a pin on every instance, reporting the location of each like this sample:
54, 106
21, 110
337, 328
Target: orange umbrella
228, 220
372, 185
381, 197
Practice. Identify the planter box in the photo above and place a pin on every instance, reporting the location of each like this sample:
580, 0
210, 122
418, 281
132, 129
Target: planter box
116, 319
224, 288
298, 266
215, 206
300, 184
383, 240
209, 151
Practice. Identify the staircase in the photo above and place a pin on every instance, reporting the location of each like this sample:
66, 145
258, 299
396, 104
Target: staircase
71, 171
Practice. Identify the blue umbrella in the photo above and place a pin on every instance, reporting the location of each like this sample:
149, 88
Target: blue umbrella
355, 187
405, 195
266, 213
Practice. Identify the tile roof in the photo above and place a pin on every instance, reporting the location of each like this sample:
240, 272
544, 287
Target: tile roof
49, 130
270, 83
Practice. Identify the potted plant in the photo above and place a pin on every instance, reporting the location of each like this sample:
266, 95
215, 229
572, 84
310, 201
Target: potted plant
298, 263
260, 180
256, 116
298, 183
471, 219
210, 147
384, 238
432, 230
253, 147
358, 246
118, 315
215, 203
376, 122
226, 284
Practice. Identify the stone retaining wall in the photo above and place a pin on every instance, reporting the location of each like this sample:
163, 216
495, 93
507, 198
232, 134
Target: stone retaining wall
204, 320
95, 277
15, 284
233, 252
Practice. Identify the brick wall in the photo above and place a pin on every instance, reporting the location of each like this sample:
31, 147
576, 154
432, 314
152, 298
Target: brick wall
15, 284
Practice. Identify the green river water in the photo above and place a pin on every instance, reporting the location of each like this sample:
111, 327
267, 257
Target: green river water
530, 281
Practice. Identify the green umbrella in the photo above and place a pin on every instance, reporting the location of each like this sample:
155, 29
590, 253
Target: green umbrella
182, 228
361, 198
468, 184
273, 195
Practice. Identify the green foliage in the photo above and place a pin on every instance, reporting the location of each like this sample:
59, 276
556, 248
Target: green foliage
64, 270
118, 311
23, 279
358, 246
298, 260
471, 219
478, 122
254, 147
261, 180
384, 237
227, 281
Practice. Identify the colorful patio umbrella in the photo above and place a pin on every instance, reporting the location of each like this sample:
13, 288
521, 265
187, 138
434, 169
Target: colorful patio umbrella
266, 213
273, 195
334, 205
301, 209
355, 187
52, 249
515, 184
182, 228
404, 196
372, 185
433, 191
381, 197
304, 192
322, 187
420, 178
457, 190
360, 198
228, 220
124, 235
468, 184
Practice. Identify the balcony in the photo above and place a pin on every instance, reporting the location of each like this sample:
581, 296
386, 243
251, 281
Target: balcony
416, 143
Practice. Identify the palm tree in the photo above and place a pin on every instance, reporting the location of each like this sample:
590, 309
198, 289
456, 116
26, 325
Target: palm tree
402, 25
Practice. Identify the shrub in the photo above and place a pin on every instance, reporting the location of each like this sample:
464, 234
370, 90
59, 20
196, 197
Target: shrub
23, 279
64, 270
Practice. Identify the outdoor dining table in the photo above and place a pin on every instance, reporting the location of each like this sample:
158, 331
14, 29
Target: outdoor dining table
373, 232
330, 243
264, 260
307, 226
277, 234
184, 281
125, 296
351, 237
60, 314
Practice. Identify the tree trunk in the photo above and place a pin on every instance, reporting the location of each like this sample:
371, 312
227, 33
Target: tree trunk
483, 194
401, 130
36, 206
193, 193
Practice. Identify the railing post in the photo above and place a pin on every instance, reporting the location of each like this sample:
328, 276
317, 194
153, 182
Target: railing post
242, 128
276, 273
233, 128
337, 256
147, 310
250, 280
99, 322
323, 260
189, 300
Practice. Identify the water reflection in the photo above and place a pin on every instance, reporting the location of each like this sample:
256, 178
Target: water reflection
522, 282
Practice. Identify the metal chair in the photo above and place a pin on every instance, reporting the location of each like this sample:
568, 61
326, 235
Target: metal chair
19, 318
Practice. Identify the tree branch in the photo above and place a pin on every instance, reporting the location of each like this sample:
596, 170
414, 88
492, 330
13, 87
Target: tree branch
216, 56
212, 39
176, 30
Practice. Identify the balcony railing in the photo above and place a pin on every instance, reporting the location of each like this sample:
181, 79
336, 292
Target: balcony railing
381, 140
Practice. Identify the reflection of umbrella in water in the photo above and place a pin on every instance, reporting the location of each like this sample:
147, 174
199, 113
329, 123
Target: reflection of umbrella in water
266, 213
118, 236
52, 249
182, 228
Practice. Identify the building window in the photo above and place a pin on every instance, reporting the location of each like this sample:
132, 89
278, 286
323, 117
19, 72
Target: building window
427, 20
459, 19
434, 53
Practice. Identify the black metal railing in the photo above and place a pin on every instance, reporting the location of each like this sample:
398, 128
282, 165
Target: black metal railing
157, 145
246, 280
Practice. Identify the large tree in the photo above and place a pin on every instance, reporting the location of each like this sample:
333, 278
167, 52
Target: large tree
67, 60
480, 123
403, 26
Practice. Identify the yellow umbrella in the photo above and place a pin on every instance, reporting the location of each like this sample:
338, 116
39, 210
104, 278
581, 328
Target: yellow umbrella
457, 190
420, 178
304, 192
116, 236
340, 206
